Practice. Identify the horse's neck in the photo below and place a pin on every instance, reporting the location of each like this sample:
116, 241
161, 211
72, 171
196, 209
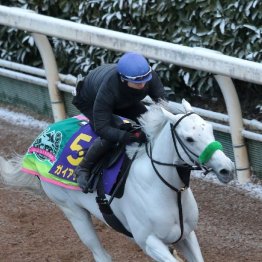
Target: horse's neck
163, 150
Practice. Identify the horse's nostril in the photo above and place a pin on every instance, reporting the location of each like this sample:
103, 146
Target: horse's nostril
224, 172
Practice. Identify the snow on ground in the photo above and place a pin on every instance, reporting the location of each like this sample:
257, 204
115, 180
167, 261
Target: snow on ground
252, 189
21, 119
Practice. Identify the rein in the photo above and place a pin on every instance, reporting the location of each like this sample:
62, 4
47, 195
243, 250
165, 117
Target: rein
185, 169
185, 180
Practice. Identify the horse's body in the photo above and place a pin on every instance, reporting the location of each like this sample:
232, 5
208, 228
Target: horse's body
149, 208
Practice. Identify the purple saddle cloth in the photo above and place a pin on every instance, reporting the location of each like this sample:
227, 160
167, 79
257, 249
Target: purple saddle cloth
85, 131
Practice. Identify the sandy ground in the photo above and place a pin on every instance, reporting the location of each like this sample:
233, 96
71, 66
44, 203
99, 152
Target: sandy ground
33, 229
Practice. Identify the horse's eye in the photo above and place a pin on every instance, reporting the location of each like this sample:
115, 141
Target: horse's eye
190, 139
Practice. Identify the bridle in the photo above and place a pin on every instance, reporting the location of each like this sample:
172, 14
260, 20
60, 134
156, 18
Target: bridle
204, 157
184, 170
177, 139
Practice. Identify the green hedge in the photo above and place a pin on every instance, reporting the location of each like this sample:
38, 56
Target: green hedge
230, 26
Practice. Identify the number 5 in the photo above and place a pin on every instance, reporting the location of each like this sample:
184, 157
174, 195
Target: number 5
75, 146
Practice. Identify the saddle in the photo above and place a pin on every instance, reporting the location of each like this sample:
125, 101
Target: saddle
97, 173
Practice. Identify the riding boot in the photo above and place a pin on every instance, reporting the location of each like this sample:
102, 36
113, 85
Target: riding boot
83, 172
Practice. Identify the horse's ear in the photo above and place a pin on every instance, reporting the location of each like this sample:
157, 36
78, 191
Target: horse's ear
186, 106
167, 113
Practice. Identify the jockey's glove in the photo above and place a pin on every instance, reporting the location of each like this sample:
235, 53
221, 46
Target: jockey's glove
138, 137
126, 126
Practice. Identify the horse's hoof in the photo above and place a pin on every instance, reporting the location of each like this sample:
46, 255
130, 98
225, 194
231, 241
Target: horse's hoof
177, 257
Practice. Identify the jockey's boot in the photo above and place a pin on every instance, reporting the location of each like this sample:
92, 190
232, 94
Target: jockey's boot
83, 172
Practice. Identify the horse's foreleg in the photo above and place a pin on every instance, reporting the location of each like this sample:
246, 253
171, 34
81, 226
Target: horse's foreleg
190, 248
157, 250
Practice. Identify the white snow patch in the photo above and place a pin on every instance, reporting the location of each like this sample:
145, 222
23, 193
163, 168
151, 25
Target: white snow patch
22, 119
252, 189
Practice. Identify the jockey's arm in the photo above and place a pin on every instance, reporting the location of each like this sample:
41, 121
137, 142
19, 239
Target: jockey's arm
102, 117
156, 88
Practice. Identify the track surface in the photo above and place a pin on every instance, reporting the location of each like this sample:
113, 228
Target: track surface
33, 229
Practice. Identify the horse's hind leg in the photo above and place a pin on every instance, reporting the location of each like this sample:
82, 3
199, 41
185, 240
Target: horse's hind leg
80, 220
82, 223
190, 248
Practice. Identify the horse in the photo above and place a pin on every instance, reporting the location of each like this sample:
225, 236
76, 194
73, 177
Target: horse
158, 207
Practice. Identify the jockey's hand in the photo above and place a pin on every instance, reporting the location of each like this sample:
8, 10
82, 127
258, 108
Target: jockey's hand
138, 136
126, 126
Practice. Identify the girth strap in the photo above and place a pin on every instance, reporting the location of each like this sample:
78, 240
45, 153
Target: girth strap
104, 204
106, 210
110, 217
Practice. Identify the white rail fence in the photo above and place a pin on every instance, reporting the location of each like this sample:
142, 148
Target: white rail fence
224, 67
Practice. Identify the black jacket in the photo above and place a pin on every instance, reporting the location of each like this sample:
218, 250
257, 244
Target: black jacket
103, 92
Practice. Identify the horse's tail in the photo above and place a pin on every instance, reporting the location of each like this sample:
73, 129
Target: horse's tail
11, 174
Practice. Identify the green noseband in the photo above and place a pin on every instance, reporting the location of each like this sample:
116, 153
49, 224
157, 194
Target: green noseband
209, 151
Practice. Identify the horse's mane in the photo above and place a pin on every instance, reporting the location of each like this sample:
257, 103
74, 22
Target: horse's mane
151, 123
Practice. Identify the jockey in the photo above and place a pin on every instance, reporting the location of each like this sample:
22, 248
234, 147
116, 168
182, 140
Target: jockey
110, 91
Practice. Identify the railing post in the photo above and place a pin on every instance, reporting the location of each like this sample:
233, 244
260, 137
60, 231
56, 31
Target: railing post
52, 76
50, 67
236, 126
235, 122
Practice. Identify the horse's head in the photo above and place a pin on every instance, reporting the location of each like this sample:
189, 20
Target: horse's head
195, 143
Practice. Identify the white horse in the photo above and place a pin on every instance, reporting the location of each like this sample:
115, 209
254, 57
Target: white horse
157, 208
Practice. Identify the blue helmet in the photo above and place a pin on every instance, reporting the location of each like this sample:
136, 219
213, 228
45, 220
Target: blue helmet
134, 68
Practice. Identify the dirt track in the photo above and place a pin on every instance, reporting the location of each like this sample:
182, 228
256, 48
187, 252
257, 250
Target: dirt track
33, 229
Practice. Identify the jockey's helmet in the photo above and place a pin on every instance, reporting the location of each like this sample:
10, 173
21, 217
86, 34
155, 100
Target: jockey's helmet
134, 68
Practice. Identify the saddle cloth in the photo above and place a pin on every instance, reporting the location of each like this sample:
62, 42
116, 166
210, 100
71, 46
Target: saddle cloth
57, 151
